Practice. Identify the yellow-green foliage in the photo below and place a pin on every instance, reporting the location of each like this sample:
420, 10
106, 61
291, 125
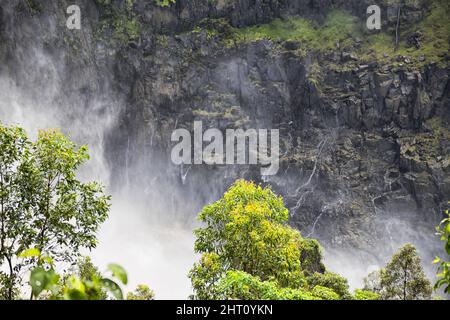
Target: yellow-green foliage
243, 286
332, 281
365, 295
247, 229
338, 27
246, 233
342, 28
164, 3
142, 292
324, 293
435, 29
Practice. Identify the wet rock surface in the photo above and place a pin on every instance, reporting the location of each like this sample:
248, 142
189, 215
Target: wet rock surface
365, 147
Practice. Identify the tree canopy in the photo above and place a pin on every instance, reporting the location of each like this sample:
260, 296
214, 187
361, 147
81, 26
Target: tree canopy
42, 203
246, 240
403, 277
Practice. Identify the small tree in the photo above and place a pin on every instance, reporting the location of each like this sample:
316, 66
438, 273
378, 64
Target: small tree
86, 272
142, 292
372, 282
365, 295
42, 203
331, 280
246, 231
404, 278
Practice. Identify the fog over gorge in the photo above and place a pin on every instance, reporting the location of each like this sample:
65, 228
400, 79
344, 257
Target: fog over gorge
353, 172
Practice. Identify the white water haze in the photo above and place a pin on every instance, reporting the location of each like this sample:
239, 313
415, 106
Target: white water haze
32, 96
152, 240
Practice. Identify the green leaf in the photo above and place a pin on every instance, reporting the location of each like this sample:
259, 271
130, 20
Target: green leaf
48, 260
38, 281
118, 272
74, 294
113, 288
30, 253
41, 279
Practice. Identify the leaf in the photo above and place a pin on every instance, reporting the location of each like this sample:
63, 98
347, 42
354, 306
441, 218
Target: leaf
38, 281
113, 288
77, 284
118, 272
41, 279
436, 260
74, 294
30, 253
48, 260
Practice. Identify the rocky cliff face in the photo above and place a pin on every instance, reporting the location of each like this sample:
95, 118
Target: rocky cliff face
364, 130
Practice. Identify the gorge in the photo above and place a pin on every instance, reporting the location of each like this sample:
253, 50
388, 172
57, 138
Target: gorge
364, 128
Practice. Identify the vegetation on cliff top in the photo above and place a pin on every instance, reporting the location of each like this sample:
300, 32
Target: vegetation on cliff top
339, 27
344, 32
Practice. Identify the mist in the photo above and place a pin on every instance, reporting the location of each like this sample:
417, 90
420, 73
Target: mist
149, 230
34, 95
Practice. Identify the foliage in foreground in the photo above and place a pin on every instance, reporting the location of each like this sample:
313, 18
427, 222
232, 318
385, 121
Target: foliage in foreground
444, 265
84, 283
44, 206
42, 203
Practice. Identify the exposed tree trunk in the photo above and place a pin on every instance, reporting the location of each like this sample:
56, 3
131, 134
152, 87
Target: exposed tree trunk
11, 279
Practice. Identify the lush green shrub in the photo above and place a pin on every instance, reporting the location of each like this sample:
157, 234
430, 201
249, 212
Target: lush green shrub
332, 281
365, 295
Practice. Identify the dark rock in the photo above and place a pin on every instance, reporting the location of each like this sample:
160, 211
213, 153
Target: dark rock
291, 45
414, 40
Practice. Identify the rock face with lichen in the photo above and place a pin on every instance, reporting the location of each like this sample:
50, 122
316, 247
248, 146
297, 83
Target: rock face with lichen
365, 144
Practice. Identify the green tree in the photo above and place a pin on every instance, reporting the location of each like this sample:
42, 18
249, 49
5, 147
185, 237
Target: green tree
86, 272
365, 295
42, 203
444, 264
247, 231
372, 282
142, 292
403, 277
332, 281
243, 286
